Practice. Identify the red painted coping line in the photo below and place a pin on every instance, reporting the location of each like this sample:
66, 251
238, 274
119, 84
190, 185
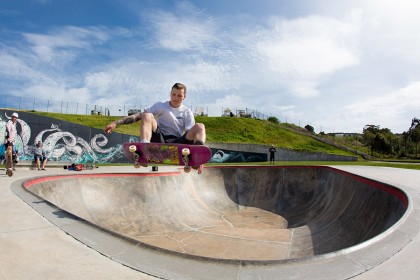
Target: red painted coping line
394, 191
29, 183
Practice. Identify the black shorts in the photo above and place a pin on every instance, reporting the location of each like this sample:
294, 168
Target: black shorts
41, 158
159, 137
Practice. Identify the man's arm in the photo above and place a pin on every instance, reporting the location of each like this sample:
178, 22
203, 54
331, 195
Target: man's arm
126, 120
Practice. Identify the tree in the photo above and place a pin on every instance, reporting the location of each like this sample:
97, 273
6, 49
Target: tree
273, 120
380, 140
405, 139
309, 128
369, 134
415, 137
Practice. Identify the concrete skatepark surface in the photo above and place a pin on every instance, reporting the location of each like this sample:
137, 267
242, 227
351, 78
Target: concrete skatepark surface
247, 223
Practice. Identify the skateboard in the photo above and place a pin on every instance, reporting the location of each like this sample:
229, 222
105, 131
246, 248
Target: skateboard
188, 156
80, 167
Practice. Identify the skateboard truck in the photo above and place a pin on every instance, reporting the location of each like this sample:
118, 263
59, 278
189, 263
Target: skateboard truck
185, 159
133, 150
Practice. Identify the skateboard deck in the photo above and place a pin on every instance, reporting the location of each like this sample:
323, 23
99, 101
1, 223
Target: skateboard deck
143, 154
80, 166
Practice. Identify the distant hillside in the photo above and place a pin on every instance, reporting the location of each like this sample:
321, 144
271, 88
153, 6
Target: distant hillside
224, 130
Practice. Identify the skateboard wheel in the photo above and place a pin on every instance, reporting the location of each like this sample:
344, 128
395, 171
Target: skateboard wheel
185, 152
187, 169
132, 148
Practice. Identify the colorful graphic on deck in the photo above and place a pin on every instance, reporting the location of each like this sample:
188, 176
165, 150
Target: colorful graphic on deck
162, 153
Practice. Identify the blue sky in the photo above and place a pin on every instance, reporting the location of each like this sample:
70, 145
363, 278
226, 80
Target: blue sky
337, 65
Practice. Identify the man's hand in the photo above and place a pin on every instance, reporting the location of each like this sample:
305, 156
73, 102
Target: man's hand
110, 127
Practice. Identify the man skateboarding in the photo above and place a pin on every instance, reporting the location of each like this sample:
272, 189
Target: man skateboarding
9, 142
167, 122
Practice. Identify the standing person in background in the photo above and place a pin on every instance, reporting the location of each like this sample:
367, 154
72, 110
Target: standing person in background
167, 122
39, 156
9, 142
272, 152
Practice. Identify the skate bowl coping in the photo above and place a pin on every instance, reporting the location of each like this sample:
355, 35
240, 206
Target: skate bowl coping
255, 215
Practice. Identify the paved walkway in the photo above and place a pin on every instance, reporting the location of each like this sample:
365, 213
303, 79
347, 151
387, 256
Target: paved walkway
33, 248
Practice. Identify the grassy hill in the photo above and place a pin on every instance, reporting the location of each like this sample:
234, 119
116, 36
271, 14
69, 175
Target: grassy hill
223, 130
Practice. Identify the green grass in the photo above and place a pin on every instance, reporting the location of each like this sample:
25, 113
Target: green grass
222, 130
253, 131
94, 121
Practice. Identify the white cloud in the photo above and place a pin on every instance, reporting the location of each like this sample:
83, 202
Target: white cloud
56, 94
13, 66
391, 110
232, 102
187, 29
18, 66
301, 53
391, 30
62, 44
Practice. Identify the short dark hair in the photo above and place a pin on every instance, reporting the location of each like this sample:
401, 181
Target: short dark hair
180, 86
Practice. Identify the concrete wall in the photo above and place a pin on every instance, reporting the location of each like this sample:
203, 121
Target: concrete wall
282, 154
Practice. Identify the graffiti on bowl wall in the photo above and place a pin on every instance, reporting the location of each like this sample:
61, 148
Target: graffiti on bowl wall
62, 145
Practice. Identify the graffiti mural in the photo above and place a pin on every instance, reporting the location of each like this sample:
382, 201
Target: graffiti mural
61, 144
220, 156
69, 142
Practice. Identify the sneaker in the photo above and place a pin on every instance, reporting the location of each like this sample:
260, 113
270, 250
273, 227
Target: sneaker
198, 142
9, 172
198, 168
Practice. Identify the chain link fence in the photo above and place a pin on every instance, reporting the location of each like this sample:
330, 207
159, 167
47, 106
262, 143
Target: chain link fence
68, 107
53, 106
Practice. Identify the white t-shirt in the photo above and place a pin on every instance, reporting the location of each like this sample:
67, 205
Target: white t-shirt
172, 121
11, 130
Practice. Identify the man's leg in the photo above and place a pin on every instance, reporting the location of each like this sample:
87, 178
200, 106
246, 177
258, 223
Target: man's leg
38, 163
44, 162
9, 159
197, 133
148, 124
